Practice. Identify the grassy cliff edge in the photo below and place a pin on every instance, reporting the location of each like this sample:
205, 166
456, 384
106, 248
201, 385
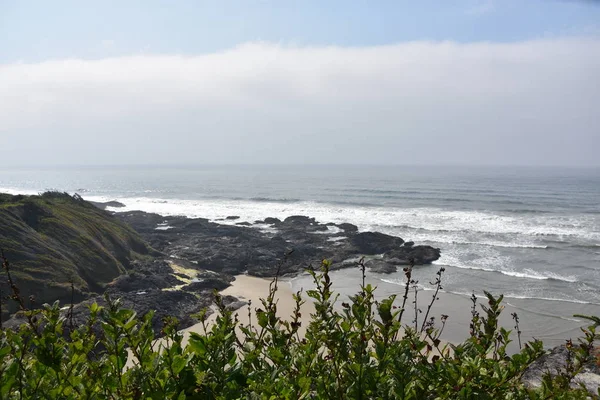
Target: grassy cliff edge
55, 239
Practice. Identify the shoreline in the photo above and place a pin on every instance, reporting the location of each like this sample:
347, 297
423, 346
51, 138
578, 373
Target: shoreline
251, 289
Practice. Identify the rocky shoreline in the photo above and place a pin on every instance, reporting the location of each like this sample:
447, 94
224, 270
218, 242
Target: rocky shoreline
256, 248
192, 257
200, 256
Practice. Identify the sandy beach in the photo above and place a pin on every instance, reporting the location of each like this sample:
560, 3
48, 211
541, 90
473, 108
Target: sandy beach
250, 289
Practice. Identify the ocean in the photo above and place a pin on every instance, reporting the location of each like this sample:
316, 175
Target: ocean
532, 234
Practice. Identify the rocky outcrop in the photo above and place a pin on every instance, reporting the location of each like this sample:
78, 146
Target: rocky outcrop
380, 266
375, 243
554, 362
55, 238
145, 276
301, 240
106, 204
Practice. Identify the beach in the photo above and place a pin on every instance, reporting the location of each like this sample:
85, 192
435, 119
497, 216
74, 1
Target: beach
250, 290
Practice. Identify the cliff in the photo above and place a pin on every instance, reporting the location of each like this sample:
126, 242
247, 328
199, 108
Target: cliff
54, 239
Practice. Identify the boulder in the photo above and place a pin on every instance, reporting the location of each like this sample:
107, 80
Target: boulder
348, 228
380, 266
371, 243
206, 284
555, 361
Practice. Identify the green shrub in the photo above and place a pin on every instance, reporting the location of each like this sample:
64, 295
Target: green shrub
363, 351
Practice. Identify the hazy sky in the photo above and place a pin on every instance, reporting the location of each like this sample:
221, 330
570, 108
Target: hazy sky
378, 82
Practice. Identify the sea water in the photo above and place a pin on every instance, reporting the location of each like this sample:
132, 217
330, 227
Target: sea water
532, 234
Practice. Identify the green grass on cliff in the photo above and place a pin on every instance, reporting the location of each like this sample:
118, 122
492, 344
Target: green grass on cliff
55, 239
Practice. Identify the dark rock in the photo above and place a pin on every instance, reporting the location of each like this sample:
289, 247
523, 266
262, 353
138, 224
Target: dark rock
235, 305
419, 254
375, 243
104, 205
409, 244
348, 228
232, 217
397, 261
233, 249
380, 266
272, 221
244, 224
164, 303
299, 220
144, 276
206, 284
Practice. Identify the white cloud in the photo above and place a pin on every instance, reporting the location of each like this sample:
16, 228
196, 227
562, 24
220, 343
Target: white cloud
423, 102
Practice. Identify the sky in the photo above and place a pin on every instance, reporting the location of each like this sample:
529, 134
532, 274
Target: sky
469, 82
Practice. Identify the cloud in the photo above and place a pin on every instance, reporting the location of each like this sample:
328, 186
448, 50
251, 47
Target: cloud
532, 102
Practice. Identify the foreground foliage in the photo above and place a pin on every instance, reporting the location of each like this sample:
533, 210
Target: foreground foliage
361, 350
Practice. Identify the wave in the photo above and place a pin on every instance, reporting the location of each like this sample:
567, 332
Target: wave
491, 244
525, 211
526, 273
543, 314
391, 220
467, 226
399, 282
275, 200
524, 297
15, 191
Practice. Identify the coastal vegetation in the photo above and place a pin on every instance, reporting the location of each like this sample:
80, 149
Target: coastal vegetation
362, 349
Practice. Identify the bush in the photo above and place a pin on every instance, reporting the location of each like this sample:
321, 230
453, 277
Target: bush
364, 351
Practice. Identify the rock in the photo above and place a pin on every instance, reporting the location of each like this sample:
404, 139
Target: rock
164, 303
244, 224
409, 244
347, 228
272, 221
206, 284
180, 275
144, 276
397, 261
299, 219
419, 254
555, 361
233, 303
371, 243
380, 266
233, 249
232, 217
104, 205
